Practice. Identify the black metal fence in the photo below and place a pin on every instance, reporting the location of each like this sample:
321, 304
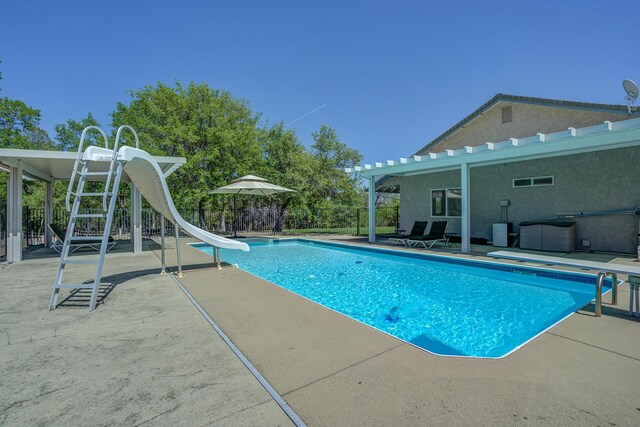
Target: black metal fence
292, 222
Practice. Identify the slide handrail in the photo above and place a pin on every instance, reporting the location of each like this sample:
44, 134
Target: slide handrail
79, 159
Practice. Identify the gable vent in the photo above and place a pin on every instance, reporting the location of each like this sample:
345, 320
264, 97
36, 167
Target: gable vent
507, 114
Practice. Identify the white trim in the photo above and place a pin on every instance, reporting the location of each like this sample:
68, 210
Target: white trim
606, 136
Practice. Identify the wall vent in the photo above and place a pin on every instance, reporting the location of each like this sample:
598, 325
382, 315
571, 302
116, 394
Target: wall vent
507, 114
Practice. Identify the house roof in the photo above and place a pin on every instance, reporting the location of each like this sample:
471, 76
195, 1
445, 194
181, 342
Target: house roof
615, 109
606, 136
503, 97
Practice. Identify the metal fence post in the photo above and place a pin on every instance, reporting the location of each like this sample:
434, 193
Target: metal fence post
397, 219
357, 221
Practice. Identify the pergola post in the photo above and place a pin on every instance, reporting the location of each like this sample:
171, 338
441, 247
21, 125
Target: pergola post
14, 213
48, 212
372, 209
465, 181
136, 219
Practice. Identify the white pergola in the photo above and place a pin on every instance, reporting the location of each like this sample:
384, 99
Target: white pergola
48, 167
607, 136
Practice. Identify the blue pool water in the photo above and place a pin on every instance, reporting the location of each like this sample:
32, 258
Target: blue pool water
458, 307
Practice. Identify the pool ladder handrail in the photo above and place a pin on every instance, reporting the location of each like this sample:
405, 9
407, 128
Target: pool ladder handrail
614, 290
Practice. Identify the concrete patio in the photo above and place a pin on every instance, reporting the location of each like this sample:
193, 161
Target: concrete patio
148, 356
144, 357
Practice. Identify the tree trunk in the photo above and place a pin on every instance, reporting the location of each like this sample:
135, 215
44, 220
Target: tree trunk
279, 225
201, 217
223, 219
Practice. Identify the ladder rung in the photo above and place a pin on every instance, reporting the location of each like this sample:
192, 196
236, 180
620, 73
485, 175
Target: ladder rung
74, 286
94, 173
94, 194
79, 261
91, 215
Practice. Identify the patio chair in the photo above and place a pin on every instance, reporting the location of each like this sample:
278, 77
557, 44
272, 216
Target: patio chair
416, 231
436, 234
59, 235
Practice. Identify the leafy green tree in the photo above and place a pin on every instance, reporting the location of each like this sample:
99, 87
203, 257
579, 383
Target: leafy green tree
214, 131
17, 120
329, 185
285, 163
19, 128
68, 134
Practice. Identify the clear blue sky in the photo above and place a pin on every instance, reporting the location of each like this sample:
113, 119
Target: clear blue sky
393, 75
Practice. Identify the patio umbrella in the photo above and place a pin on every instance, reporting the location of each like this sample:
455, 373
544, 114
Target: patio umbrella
252, 185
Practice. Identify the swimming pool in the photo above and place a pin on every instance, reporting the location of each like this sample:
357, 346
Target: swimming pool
445, 305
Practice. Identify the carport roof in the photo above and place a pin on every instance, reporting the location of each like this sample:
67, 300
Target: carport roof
46, 165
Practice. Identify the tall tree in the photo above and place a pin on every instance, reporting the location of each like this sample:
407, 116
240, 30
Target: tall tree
19, 128
285, 163
330, 185
213, 130
17, 120
68, 134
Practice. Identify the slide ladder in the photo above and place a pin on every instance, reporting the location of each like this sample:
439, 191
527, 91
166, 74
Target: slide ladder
82, 170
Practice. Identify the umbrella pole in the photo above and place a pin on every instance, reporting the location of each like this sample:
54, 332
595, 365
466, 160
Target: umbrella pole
235, 220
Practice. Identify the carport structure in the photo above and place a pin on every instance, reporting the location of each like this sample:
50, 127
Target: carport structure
48, 167
606, 136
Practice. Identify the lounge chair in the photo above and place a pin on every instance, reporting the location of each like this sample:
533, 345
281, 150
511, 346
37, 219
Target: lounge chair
416, 231
59, 235
436, 234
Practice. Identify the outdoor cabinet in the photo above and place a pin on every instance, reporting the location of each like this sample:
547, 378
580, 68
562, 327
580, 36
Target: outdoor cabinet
553, 236
501, 233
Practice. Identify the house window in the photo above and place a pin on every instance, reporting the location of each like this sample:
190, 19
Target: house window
446, 202
536, 181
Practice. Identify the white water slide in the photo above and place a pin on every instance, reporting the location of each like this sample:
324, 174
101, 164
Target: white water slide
143, 170
147, 176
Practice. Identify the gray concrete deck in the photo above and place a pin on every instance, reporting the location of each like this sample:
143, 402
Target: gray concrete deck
148, 357
145, 357
335, 371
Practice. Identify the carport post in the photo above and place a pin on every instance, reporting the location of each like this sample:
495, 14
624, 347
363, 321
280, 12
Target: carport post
372, 209
466, 207
136, 219
14, 213
48, 211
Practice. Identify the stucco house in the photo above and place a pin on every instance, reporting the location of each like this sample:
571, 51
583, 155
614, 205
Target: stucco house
548, 158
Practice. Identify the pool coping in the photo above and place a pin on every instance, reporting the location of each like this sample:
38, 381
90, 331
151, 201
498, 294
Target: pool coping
438, 258
333, 371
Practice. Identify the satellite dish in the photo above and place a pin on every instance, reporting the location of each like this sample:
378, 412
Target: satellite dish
631, 87
632, 93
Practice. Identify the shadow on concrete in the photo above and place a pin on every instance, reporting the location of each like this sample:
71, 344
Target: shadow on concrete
81, 297
607, 310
